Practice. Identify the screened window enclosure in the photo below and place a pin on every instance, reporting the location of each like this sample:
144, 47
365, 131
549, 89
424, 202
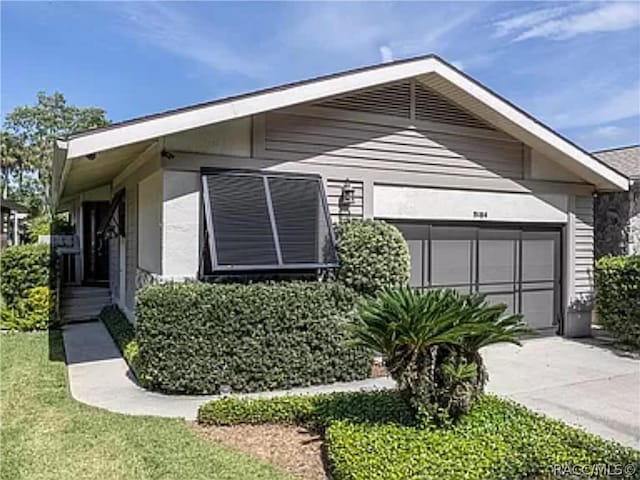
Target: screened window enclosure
519, 266
266, 221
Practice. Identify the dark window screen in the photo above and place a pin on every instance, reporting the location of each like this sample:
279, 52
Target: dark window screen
241, 224
302, 226
267, 221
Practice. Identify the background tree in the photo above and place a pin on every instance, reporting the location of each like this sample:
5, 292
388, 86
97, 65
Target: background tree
27, 138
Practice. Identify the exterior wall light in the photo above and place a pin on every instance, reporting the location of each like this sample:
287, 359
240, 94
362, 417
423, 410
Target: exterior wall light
348, 196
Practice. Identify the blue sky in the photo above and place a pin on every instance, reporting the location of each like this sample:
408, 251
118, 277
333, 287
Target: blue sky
575, 66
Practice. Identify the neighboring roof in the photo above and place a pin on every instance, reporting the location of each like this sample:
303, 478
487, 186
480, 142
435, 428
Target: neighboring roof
14, 206
625, 160
489, 105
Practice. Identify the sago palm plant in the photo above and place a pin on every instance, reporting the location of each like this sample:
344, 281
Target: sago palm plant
430, 342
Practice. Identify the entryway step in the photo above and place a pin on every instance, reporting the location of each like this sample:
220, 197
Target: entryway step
83, 303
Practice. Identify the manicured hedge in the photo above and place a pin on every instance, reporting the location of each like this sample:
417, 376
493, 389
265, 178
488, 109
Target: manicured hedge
368, 437
124, 336
618, 297
23, 267
27, 303
372, 255
316, 410
196, 337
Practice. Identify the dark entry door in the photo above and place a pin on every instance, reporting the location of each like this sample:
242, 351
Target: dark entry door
96, 252
518, 265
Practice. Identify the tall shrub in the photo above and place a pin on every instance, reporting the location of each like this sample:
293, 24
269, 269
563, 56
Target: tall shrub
618, 296
197, 337
372, 254
26, 302
23, 268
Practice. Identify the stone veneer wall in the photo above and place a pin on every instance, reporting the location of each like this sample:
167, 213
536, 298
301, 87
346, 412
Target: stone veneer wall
617, 222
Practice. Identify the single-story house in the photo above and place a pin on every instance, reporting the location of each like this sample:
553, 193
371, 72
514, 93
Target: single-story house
488, 198
617, 214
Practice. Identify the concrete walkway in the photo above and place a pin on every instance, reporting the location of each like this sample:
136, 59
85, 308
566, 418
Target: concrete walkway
99, 376
582, 383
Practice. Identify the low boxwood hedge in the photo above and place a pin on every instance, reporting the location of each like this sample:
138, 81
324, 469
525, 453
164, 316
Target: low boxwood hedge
196, 337
312, 410
617, 282
371, 436
124, 336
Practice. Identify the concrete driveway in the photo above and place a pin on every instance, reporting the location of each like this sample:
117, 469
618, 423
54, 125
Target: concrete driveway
584, 383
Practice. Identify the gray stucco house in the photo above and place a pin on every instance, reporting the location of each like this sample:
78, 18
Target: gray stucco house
488, 198
617, 214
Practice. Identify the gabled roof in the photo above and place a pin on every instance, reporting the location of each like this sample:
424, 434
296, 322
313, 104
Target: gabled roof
625, 160
476, 98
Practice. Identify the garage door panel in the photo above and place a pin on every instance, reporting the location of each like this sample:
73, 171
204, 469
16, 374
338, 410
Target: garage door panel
538, 308
539, 255
497, 256
415, 253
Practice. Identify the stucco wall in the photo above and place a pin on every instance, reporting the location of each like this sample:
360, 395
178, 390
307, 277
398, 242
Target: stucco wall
400, 202
181, 222
150, 223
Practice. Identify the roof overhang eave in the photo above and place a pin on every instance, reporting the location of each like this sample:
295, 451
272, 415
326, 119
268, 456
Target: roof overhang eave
260, 102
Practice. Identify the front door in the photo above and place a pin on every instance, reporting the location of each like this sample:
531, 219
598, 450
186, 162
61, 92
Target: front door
95, 247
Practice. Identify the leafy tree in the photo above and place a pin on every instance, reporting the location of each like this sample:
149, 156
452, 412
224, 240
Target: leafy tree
27, 139
430, 342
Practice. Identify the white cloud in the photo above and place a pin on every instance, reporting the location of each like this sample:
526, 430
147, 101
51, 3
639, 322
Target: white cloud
608, 136
386, 54
569, 21
585, 105
607, 18
526, 20
609, 132
171, 30
354, 29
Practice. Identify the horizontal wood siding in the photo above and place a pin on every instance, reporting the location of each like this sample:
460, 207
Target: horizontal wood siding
334, 193
332, 137
583, 245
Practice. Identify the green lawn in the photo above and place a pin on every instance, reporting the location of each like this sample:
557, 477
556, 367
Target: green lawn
46, 434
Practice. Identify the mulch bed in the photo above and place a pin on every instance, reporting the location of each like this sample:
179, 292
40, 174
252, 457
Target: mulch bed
294, 449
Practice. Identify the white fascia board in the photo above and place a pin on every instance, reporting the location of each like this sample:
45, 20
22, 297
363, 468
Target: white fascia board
245, 106
543, 133
311, 91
